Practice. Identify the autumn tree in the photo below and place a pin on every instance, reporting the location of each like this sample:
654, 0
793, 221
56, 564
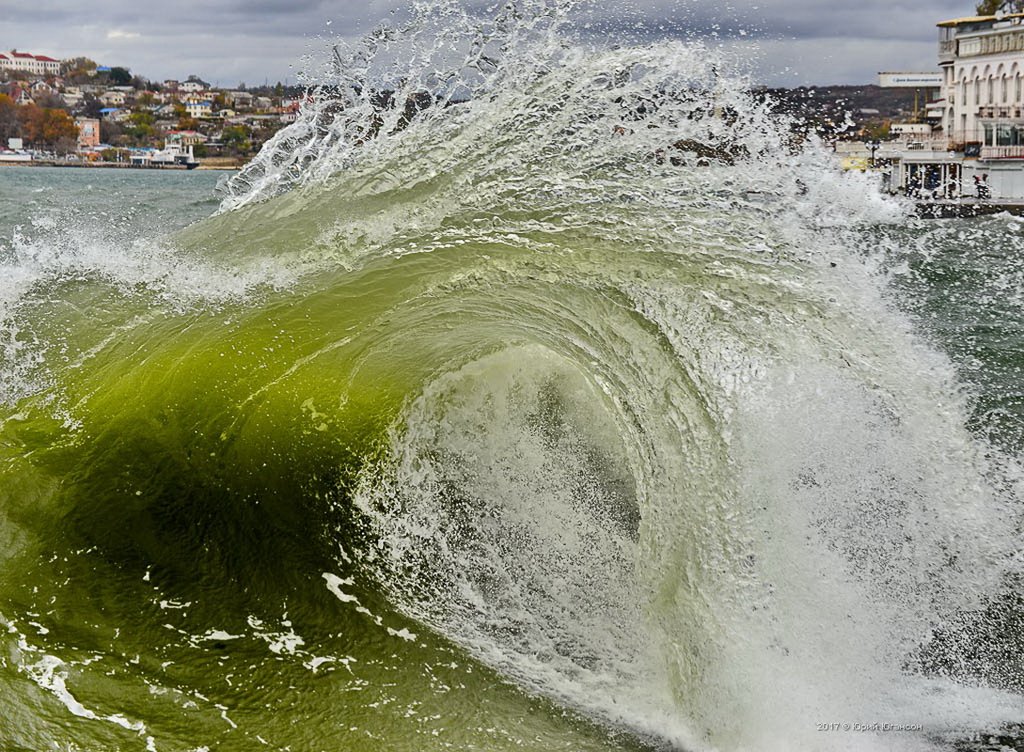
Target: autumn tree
78, 66
188, 124
50, 101
46, 127
9, 125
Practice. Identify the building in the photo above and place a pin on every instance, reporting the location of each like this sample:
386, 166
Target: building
41, 89
241, 99
39, 65
88, 133
72, 96
982, 59
199, 109
974, 127
186, 138
112, 98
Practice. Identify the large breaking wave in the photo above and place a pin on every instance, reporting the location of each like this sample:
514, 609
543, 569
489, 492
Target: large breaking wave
575, 364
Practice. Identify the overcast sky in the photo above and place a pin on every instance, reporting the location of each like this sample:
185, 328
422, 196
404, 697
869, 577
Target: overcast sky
230, 41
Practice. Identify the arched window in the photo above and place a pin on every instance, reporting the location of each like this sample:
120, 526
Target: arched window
991, 90
1004, 89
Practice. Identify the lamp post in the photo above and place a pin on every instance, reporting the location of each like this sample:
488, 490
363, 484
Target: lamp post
873, 146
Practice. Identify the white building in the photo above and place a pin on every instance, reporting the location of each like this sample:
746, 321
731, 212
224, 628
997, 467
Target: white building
39, 65
978, 115
982, 60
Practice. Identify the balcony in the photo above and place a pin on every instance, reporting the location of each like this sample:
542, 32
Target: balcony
1002, 152
947, 51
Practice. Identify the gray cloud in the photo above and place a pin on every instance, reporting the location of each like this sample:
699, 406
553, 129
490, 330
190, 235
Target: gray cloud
227, 41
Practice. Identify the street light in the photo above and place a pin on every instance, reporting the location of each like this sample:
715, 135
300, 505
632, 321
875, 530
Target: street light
873, 146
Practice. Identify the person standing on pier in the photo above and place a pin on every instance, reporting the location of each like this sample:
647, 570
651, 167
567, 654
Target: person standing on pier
981, 188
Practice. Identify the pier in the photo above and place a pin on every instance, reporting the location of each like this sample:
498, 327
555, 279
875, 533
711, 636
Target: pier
968, 207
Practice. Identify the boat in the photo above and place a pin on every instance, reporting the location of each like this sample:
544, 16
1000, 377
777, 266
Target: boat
172, 155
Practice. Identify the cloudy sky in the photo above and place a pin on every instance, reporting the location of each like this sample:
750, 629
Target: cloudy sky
252, 41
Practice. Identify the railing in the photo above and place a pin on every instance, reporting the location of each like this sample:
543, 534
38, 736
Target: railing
1002, 152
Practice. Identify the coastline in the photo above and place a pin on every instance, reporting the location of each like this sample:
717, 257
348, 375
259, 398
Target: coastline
213, 165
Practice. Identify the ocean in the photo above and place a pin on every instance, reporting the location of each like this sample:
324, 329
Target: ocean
587, 408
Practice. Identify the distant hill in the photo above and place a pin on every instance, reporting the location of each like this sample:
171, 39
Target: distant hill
889, 102
843, 110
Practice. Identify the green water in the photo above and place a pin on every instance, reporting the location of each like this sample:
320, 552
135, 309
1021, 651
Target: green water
508, 434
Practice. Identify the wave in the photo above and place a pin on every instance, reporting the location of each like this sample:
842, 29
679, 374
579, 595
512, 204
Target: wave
515, 361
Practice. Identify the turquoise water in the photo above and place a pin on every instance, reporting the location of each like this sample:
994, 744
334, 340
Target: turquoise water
500, 430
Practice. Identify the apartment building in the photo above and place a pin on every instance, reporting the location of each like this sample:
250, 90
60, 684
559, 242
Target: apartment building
39, 65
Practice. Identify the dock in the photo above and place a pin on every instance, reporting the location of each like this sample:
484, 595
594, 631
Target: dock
968, 207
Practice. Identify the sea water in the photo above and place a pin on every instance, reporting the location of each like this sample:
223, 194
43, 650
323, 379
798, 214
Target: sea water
504, 424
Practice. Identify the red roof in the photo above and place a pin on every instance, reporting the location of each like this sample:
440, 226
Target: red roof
28, 56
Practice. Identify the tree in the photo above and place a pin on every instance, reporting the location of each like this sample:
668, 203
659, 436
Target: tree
66, 145
46, 127
188, 124
111, 132
141, 126
78, 65
91, 106
992, 7
236, 139
120, 76
9, 125
51, 101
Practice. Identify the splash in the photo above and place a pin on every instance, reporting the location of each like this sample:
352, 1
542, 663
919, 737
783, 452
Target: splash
554, 368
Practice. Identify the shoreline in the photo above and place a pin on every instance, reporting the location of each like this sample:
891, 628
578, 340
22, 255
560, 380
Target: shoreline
114, 165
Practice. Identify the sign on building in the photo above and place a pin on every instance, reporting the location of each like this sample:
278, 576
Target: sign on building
926, 80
